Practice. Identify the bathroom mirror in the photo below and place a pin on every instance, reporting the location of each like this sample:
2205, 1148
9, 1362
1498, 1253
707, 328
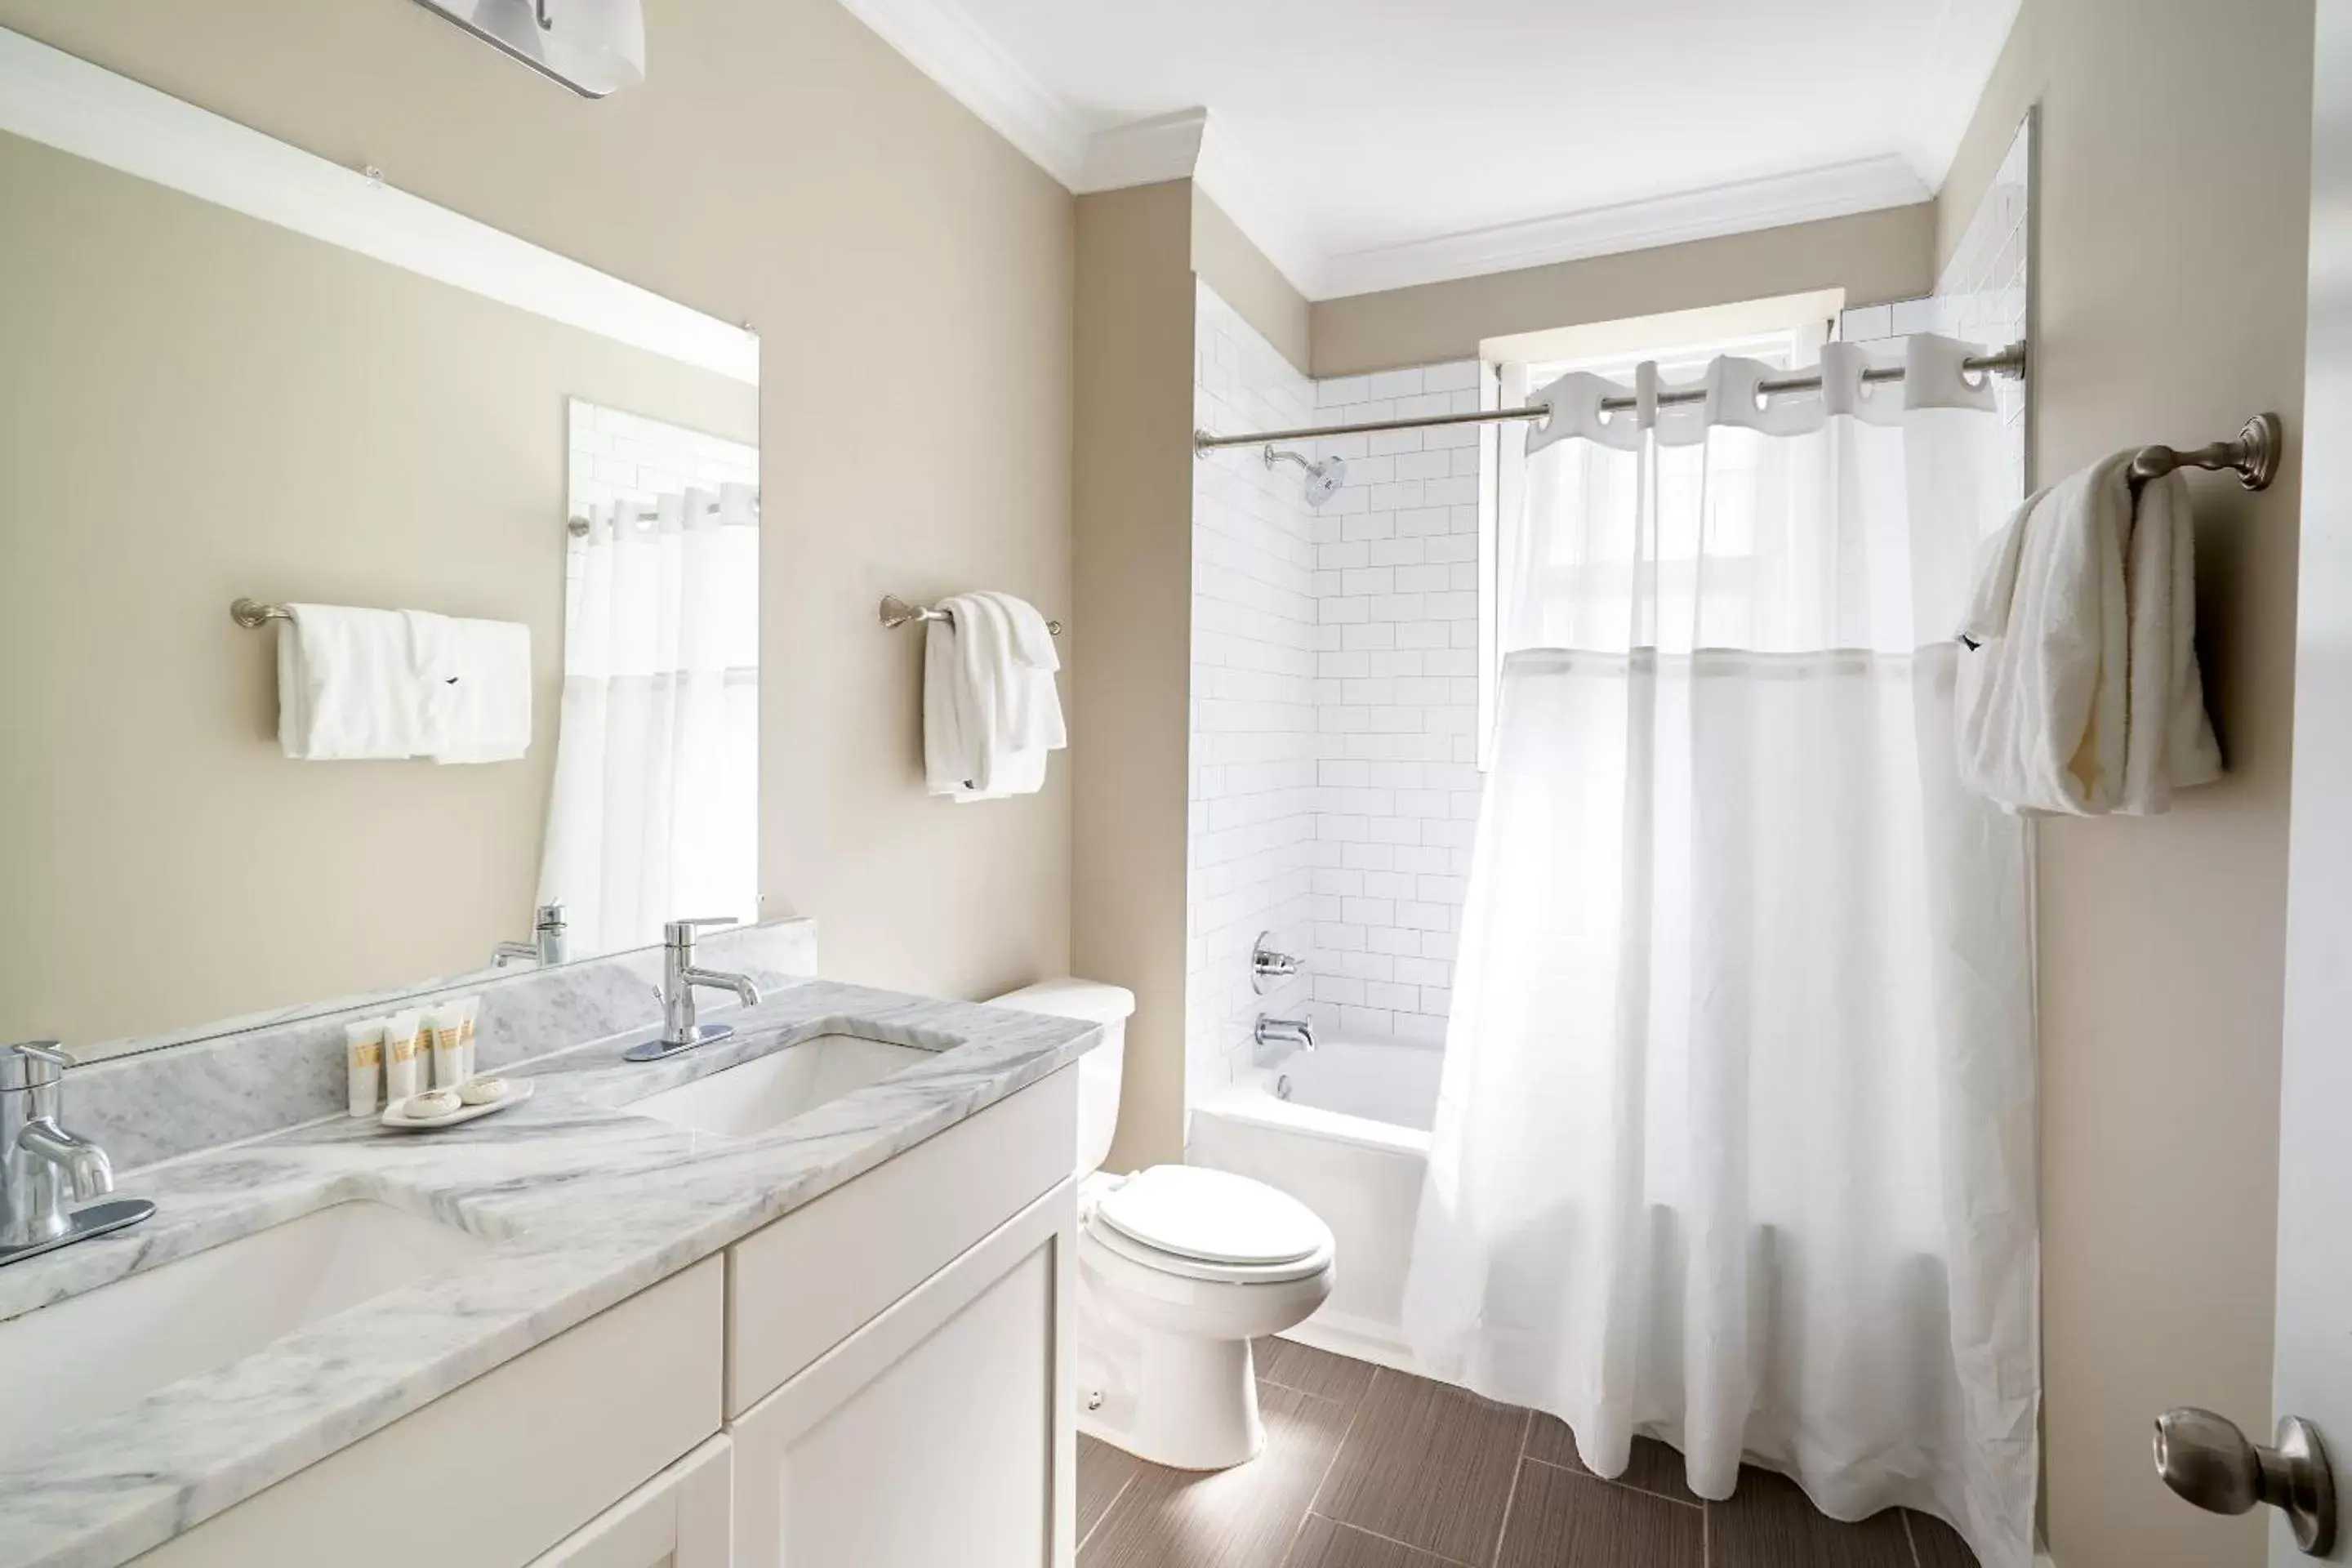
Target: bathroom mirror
237, 372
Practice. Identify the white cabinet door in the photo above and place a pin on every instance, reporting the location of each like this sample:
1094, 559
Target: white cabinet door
938, 1435
683, 1518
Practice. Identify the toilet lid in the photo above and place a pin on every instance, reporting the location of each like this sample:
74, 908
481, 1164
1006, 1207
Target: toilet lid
1213, 1215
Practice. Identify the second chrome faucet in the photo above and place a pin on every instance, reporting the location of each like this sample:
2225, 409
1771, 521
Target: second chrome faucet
679, 978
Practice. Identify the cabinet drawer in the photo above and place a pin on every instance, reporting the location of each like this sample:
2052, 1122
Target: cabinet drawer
805, 1283
509, 1463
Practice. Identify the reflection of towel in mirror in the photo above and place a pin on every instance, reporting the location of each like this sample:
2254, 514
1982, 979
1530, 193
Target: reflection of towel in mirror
347, 686
475, 679
991, 712
2078, 689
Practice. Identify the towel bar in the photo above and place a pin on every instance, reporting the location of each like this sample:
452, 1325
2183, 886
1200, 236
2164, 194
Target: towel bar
896, 612
2253, 456
252, 614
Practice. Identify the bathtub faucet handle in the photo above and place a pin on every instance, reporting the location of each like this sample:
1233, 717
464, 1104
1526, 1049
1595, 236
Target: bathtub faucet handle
1267, 964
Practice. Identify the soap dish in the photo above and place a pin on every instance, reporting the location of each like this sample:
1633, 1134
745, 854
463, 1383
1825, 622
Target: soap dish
517, 1091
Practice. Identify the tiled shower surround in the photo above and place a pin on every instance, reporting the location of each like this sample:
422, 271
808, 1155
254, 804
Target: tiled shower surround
1335, 698
1335, 694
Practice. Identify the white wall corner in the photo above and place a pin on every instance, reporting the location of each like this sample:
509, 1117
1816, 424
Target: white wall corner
1838, 190
1145, 152
940, 39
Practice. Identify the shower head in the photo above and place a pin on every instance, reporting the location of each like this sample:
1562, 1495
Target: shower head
1323, 479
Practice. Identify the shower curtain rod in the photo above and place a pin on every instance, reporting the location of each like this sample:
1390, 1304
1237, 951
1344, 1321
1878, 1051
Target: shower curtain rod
2009, 361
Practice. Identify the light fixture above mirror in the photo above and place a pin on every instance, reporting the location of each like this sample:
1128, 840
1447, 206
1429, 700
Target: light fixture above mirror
595, 48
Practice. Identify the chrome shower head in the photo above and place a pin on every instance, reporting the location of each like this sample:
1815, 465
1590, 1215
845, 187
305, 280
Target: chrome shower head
1323, 479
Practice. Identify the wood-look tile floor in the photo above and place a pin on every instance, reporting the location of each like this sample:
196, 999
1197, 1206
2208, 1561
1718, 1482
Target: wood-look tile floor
1365, 1467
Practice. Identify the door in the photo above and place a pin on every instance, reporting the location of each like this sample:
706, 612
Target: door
2312, 1374
680, 1519
941, 1433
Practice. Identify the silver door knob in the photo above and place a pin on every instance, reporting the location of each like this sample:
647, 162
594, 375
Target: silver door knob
2205, 1458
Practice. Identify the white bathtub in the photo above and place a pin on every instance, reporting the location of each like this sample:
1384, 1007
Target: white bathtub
1350, 1140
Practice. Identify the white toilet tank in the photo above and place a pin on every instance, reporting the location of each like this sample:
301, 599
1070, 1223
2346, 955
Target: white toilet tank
1098, 1069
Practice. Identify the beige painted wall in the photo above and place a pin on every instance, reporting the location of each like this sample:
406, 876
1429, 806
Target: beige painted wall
1885, 254
1130, 721
2172, 188
1228, 262
911, 278
198, 406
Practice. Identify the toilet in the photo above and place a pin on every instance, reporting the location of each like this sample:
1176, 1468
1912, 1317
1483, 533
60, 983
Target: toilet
1179, 1270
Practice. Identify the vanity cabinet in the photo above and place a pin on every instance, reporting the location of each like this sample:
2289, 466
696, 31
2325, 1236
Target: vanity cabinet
899, 1392
876, 1380
939, 1433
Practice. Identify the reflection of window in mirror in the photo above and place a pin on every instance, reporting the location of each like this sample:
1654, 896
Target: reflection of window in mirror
653, 812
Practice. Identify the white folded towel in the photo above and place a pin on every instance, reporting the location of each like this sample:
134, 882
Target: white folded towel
476, 676
990, 709
347, 686
2078, 691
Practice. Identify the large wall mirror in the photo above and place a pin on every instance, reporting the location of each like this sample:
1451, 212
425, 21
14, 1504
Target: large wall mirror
231, 371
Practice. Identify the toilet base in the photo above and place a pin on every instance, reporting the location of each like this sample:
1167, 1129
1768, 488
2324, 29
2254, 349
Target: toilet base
1195, 1403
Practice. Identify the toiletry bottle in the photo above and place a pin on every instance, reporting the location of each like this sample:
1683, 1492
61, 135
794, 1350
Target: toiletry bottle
404, 1068
442, 1029
469, 1008
364, 1054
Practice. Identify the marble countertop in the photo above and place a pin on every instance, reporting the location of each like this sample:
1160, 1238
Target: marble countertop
554, 1186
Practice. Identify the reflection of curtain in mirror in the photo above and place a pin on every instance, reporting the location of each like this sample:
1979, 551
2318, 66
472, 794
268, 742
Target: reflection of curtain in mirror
655, 812
1735, 1145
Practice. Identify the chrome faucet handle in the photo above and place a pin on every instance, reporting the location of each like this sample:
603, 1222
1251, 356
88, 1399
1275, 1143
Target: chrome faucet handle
20, 1064
680, 933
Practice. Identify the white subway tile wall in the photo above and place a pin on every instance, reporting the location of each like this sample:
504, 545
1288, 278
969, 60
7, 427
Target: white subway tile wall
617, 456
1251, 793
1334, 782
1396, 704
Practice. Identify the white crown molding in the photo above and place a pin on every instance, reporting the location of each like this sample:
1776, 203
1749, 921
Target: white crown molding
943, 41
1836, 191
1233, 180
49, 97
939, 38
1166, 147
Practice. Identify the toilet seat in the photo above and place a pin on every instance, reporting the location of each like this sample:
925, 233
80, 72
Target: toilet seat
1210, 1226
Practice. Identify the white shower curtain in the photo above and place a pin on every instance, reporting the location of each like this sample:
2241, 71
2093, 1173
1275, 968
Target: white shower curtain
655, 812
1735, 1146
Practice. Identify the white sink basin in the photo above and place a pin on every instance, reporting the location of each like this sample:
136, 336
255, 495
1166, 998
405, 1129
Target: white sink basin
107, 1348
746, 1101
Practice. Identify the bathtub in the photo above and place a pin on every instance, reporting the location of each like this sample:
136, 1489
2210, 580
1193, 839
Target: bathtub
1345, 1130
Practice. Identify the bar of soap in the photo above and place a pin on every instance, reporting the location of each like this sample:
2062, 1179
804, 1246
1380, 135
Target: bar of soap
432, 1102
482, 1090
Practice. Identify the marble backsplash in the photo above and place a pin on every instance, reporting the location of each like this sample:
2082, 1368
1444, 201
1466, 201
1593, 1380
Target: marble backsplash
153, 1105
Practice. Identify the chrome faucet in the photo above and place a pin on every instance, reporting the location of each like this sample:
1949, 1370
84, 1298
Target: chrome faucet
40, 1161
1298, 1032
546, 947
680, 977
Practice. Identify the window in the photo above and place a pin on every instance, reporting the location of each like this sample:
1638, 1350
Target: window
1786, 332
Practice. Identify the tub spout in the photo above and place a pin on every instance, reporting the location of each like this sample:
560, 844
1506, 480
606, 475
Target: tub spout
1296, 1032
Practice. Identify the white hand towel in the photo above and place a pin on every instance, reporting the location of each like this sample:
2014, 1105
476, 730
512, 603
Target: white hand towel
2078, 688
990, 711
346, 686
1035, 717
475, 679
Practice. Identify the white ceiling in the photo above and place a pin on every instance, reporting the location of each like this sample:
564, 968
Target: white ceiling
1368, 142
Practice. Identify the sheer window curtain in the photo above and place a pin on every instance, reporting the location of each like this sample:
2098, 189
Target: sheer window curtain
1735, 1146
655, 811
